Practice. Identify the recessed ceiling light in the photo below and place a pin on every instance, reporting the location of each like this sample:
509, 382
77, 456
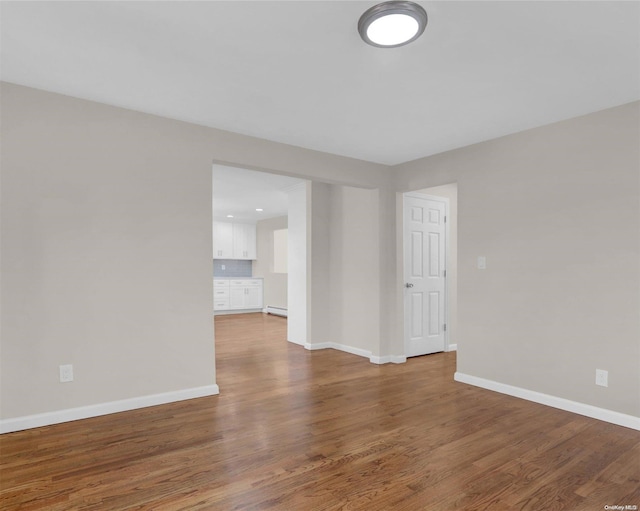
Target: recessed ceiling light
392, 24
259, 209
229, 216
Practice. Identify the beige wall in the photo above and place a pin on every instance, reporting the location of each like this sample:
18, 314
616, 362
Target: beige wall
344, 265
106, 240
106, 247
298, 288
320, 274
106, 252
556, 212
354, 268
275, 284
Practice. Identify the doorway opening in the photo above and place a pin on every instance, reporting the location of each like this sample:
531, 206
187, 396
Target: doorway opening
253, 231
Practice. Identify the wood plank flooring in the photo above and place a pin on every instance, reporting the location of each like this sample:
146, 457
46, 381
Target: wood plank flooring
296, 430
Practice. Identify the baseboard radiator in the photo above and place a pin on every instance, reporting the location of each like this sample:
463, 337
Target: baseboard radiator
276, 311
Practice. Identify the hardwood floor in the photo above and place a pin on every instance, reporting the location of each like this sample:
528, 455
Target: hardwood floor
296, 430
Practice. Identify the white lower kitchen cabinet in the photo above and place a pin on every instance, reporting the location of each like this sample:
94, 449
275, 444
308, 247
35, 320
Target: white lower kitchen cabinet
253, 298
220, 294
237, 295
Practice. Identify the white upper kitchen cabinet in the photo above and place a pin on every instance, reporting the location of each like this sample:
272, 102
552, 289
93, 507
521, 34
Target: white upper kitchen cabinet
244, 241
234, 241
222, 240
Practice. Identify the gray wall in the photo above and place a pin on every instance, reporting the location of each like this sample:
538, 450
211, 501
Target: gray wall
556, 212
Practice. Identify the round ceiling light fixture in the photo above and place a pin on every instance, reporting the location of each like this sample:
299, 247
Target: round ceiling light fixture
392, 24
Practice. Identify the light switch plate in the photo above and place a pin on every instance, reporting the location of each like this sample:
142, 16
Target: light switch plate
602, 377
66, 373
482, 263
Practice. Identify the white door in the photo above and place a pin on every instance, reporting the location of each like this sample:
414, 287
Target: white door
424, 275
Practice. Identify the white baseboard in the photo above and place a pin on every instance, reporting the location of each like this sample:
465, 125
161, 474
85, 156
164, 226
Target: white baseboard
350, 349
85, 412
336, 346
621, 419
318, 345
452, 347
226, 312
395, 359
276, 311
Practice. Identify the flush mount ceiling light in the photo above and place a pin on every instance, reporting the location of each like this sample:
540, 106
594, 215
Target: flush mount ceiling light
392, 24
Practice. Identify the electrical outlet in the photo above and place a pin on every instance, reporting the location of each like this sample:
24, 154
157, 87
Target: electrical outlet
482, 263
66, 373
224, 267
602, 377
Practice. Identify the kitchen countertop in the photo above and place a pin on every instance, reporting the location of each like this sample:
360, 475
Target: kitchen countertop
238, 278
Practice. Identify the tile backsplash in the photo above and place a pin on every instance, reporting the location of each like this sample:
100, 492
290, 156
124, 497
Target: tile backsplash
232, 268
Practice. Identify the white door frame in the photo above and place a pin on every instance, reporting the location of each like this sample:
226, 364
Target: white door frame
445, 201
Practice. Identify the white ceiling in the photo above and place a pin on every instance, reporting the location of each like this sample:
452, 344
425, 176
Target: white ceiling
297, 71
239, 192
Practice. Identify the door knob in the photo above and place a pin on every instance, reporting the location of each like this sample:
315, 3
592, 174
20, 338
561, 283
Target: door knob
408, 284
